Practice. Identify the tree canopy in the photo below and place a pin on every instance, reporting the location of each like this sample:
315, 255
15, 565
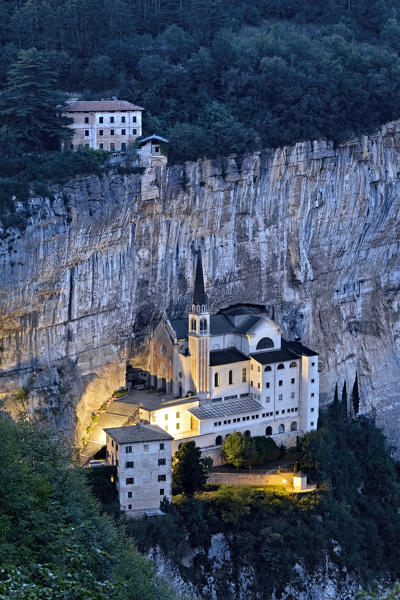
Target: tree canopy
189, 474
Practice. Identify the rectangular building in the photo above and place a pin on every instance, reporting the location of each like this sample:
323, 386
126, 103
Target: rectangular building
104, 124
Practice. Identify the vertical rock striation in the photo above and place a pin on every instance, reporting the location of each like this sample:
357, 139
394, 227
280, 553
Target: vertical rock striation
310, 231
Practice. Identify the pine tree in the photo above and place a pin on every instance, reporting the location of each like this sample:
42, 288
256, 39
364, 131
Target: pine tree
29, 105
343, 404
335, 406
355, 396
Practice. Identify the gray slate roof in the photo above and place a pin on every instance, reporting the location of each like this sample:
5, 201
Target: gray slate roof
154, 138
101, 106
274, 356
227, 356
137, 433
225, 408
299, 348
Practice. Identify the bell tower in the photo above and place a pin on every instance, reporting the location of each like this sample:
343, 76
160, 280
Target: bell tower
199, 336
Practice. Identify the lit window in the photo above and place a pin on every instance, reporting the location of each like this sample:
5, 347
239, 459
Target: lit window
178, 425
166, 427
166, 416
153, 418
178, 414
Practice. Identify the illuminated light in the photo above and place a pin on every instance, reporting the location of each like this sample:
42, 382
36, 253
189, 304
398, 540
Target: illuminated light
284, 480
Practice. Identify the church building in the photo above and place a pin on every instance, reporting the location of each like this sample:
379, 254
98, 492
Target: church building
230, 371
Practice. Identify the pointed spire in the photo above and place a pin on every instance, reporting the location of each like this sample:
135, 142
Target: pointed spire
199, 295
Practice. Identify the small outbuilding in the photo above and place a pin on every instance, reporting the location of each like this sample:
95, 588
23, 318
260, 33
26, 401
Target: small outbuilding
153, 147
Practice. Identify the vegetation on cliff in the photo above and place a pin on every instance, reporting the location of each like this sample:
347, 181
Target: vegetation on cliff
353, 519
54, 543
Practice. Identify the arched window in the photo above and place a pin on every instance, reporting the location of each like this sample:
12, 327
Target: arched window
281, 429
268, 430
227, 435
203, 325
193, 325
216, 379
292, 364
265, 343
218, 440
267, 368
244, 375
293, 426
280, 366
230, 377
247, 433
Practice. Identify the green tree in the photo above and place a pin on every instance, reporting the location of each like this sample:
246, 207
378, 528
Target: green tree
233, 449
188, 472
355, 396
343, 403
29, 105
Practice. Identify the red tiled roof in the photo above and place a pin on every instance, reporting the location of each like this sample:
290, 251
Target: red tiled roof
101, 106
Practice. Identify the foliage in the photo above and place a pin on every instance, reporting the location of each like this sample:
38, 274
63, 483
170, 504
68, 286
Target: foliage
355, 396
54, 543
188, 472
239, 450
393, 594
218, 76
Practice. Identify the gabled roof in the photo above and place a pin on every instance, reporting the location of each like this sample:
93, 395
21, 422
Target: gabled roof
249, 324
137, 433
101, 106
274, 356
153, 138
225, 408
227, 356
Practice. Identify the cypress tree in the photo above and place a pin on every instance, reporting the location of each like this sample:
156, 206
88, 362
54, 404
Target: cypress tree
355, 396
343, 404
335, 408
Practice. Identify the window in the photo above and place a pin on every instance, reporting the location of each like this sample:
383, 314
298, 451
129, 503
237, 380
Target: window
280, 382
312, 423
111, 119
129, 480
101, 119
251, 367
101, 131
265, 343
162, 461
267, 368
218, 440
247, 433
162, 446
292, 364
283, 412
129, 494
161, 492
156, 148
123, 146
153, 418
267, 385
292, 380
280, 397
162, 478
129, 464
86, 132
146, 447
87, 146
86, 119
281, 366
178, 425
128, 449
268, 431
267, 399
112, 131
230, 377
166, 416
112, 443
116, 446
258, 385
71, 146
258, 368
166, 427
194, 326
312, 380
244, 375
312, 410
238, 419
123, 119
313, 364
123, 131
216, 380
134, 131
292, 394
281, 428
277, 412
112, 146
134, 119
293, 426
251, 383
101, 146
312, 394
203, 325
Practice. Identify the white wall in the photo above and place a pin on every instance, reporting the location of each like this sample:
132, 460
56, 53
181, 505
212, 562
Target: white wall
266, 329
225, 389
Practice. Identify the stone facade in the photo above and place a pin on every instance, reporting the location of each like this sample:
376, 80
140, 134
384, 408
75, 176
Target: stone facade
142, 454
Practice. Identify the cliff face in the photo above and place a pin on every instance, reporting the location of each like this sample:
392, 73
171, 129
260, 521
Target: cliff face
310, 231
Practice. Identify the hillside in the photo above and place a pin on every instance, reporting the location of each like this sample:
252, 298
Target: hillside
217, 76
